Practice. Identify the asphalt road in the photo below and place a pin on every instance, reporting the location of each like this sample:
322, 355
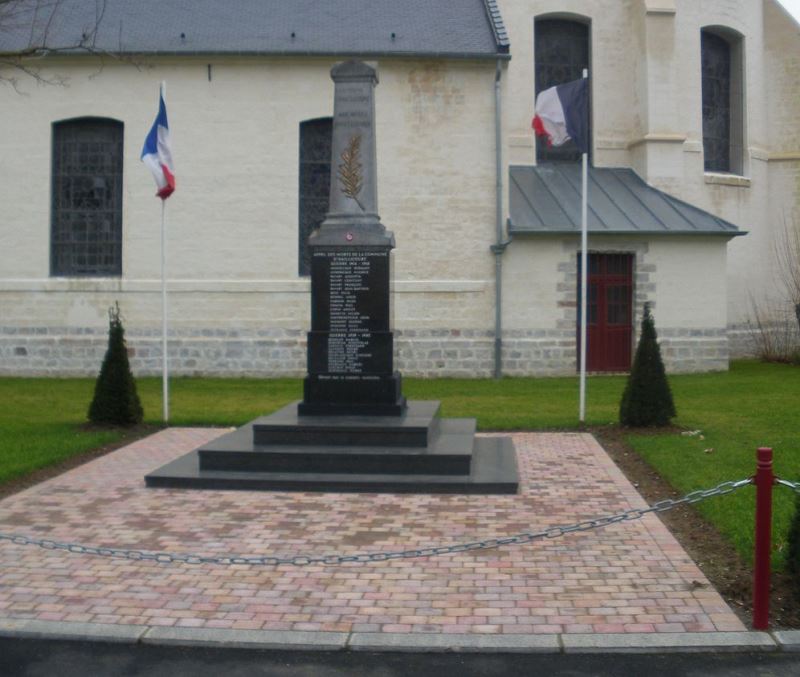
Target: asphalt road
45, 658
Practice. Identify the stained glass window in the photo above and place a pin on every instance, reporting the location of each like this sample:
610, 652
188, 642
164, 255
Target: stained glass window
721, 53
716, 64
561, 54
86, 219
315, 182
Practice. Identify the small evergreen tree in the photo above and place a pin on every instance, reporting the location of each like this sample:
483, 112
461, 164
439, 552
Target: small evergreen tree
115, 400
647, 400
793, 553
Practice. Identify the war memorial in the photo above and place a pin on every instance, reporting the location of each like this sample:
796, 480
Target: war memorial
353, 430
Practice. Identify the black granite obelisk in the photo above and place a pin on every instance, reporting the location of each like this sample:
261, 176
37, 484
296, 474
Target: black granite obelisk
350, 345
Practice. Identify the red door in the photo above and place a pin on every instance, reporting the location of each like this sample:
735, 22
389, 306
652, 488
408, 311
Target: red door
609, 312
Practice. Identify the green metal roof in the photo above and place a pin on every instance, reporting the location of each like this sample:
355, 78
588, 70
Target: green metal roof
547, 199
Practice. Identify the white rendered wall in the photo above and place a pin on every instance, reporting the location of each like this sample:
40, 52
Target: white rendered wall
232, 223
685, 276
646, 102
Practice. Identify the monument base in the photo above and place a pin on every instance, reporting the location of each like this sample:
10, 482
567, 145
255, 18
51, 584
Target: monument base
356, 395
417, 452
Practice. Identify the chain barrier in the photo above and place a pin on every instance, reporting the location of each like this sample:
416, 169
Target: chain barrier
794, 486
335, 559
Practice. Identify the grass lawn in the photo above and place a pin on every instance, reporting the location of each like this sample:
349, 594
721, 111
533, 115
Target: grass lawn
40, 424
751, 405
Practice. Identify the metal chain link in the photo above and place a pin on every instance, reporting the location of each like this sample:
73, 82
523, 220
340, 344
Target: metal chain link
333, 559
794, 486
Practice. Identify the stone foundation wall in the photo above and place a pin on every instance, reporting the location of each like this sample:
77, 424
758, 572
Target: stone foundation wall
457, 353
694, 350
53, 351
747, 340
741, 341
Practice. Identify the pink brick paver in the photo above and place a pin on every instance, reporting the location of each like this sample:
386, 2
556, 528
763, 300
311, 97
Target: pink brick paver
629, 577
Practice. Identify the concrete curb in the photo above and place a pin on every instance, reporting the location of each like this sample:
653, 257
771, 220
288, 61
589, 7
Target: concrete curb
669, 642
788, 640
679, 642
93, 632
430, 642
247, 639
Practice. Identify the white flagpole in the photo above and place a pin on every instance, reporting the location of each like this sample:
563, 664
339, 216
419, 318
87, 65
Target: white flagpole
164, 369
164, 366
584, 273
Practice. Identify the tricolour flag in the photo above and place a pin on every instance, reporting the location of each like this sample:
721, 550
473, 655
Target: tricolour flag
562, 113
157, 152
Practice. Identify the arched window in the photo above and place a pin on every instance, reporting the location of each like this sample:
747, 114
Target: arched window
86, 201
722, 82
315, 182
561, 54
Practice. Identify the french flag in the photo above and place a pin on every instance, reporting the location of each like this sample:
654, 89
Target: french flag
157, 151
562, 113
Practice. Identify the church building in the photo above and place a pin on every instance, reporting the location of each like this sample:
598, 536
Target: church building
694, 175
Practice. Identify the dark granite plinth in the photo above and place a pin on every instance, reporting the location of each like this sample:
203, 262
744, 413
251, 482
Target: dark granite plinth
352, 395
449, 453
493, 471
350, 345
358, 408
416, 452
415, 428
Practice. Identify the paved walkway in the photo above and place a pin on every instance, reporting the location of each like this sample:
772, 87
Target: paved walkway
627, 578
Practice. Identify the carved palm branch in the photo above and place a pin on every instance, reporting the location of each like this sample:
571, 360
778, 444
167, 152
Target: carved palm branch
349, 172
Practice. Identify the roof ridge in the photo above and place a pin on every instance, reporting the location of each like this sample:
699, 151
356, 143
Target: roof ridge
497, 24
469, 29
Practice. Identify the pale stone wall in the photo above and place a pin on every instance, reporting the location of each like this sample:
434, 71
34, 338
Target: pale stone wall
646, 100
232, 223
683, 278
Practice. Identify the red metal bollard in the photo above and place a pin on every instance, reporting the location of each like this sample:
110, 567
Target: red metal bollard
764, 480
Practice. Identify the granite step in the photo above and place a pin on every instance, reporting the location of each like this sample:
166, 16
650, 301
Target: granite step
493, 471
449, 452
416, 427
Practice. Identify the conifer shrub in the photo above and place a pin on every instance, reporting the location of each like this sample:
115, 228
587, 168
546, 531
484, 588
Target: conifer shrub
793, 552
647, 399
116, 400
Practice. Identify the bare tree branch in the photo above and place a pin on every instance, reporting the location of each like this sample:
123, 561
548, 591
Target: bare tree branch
787, 253
38, 20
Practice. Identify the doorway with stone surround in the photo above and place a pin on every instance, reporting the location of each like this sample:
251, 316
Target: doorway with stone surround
609, 312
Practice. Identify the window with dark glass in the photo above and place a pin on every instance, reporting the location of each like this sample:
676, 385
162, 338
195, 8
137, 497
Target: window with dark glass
561, 54
315, 182
86, 217
722, 101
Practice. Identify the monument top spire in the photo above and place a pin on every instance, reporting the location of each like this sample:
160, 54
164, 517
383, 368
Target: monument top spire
356, 70
354, 182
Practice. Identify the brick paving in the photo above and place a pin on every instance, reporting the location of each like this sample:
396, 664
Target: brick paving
627, 578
